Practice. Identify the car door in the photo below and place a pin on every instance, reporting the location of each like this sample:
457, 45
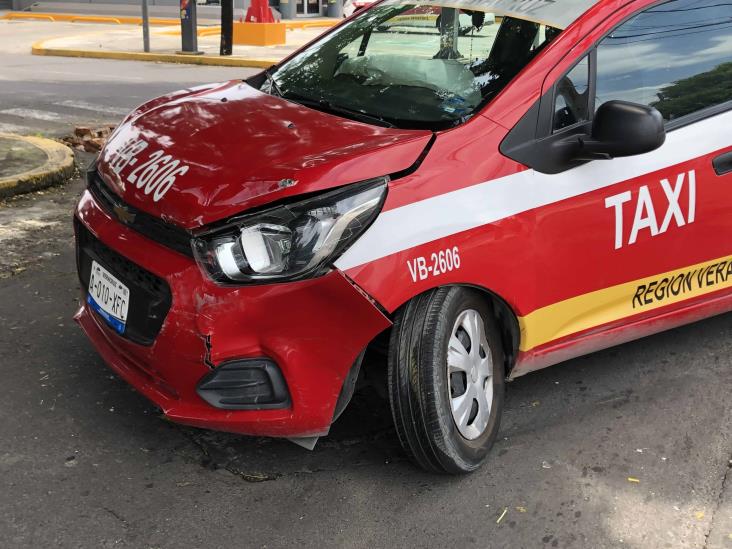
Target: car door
624, 240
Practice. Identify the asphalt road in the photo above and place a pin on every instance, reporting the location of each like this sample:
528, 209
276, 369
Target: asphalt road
87, 462
50, 95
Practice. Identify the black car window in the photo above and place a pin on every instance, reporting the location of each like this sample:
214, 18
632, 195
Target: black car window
676, 57
572, 98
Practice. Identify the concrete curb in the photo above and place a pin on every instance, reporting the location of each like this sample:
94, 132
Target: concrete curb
39, 49
58, 167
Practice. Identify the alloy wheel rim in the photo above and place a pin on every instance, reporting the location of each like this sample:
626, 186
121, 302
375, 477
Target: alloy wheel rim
470, 375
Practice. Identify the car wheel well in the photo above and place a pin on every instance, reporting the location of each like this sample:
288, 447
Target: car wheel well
508, 326
506, 320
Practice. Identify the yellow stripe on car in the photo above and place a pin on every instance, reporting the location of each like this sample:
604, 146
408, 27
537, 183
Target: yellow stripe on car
610, 304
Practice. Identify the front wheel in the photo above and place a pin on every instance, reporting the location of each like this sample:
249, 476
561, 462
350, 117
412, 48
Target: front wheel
446, 379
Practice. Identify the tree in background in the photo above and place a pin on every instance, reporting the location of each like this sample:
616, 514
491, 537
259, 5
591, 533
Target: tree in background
696, 92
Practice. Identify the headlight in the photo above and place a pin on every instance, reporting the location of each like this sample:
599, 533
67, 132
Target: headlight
291, 241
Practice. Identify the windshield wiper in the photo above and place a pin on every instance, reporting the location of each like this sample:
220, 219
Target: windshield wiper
273, 86
326, 106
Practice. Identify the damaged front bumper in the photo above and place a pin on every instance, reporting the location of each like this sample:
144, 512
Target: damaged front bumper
294, 342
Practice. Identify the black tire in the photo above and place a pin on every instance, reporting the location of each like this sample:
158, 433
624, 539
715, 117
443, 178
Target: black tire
419, 387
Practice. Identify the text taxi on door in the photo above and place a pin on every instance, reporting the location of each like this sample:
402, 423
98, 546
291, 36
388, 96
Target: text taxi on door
480, 187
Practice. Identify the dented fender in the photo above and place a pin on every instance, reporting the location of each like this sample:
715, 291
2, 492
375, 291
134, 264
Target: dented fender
314, 330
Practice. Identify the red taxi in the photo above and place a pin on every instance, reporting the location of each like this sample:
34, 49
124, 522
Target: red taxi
481, 187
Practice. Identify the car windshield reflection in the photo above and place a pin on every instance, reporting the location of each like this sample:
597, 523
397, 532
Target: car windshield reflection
413, 65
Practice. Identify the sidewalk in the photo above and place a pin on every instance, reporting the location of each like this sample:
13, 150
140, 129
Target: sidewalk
125, 42
32, 163
207, 14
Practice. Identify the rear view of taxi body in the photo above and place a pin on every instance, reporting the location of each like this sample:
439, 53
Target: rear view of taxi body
496, 186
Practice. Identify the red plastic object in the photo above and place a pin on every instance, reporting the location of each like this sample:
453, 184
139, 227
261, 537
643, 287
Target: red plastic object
259, 12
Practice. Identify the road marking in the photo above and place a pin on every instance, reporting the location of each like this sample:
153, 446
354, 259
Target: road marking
33, 71
12, 128
86, 106
99, 76
48, 116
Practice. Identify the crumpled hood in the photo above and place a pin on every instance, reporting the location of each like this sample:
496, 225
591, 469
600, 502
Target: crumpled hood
226, 148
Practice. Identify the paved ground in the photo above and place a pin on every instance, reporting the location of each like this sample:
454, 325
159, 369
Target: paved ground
86, 462
49, 95
19, 156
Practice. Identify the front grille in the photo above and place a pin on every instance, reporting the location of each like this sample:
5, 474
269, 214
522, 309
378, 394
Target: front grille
150, 296
148, 225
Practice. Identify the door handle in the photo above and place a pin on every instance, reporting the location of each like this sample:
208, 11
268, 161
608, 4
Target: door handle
723, 163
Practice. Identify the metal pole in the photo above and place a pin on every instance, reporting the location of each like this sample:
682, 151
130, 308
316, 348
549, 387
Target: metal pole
449, 25
188, 27
227, 26
145, 27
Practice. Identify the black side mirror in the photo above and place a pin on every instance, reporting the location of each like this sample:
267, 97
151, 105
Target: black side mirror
622, 128
619, 128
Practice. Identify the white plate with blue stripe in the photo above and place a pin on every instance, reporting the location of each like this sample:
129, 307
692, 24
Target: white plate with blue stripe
108, 297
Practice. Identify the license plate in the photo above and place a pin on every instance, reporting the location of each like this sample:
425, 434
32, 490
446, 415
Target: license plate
108, 297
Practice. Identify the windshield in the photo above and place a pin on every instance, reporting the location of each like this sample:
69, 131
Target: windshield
421, 65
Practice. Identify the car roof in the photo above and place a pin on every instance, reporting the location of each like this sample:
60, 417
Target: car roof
554, 13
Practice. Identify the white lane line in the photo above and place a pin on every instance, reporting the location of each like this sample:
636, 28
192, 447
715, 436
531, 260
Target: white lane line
86, 106
48, 116
42, 77
98, 76
12, 128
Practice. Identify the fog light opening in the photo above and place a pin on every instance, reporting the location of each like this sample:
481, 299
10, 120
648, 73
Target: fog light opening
246, 384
